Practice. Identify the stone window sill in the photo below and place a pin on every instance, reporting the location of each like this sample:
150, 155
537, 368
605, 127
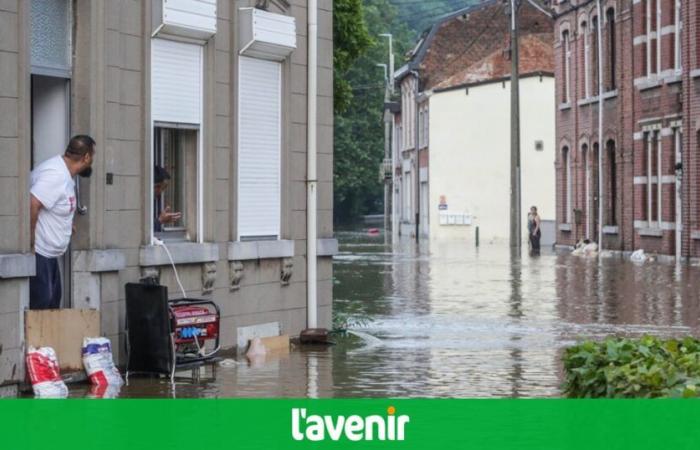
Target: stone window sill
695, 235
564, 227
651, 83
564, 106
695, 73
17, 265
611, 229
650, 232
111, 260
254, 250
182, 253
675, 78
591, 100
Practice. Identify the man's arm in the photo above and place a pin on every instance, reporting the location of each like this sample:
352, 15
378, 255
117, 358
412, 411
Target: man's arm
34, 207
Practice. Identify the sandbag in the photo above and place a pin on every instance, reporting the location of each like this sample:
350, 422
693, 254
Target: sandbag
44, 373
99, 364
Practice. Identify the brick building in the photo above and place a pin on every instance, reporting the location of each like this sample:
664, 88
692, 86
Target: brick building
650, 171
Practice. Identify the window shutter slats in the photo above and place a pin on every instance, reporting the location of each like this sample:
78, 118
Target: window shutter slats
176, 81
259, 148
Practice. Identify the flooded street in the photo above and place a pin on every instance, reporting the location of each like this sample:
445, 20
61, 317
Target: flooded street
449, 320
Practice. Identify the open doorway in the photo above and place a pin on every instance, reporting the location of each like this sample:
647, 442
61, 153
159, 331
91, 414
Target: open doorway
51, 69
50, 125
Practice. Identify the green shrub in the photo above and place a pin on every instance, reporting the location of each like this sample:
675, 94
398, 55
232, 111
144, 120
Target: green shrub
648, 367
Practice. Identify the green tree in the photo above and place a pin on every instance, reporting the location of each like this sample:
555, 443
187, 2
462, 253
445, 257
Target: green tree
351, 39
359, 130
359, 90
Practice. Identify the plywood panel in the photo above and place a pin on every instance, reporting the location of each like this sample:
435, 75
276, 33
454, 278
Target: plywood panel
63, 330
276, 343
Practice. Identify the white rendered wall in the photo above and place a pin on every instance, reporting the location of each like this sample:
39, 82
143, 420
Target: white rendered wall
470, 157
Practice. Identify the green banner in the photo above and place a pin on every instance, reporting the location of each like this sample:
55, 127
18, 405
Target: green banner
351, 424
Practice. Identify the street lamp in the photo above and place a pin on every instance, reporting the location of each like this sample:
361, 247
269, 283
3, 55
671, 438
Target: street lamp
386, 76
391, 60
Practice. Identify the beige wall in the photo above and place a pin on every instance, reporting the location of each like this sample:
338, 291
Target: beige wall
111, 101
470, 156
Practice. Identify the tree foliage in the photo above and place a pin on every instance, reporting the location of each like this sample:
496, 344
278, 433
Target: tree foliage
359, 129
351, 39
359, 90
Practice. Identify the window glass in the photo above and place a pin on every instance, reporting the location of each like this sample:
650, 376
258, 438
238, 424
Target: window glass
174, 179
51, 37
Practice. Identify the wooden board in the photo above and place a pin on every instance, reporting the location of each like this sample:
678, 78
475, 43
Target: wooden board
276, 344
63, 330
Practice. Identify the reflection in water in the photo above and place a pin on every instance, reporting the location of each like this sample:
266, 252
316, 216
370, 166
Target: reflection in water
456, 321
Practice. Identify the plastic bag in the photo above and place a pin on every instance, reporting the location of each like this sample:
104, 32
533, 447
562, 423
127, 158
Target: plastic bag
98, 362
638, 256
44, 373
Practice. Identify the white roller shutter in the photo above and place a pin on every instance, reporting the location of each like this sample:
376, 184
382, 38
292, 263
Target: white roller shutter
259, 148
176, 81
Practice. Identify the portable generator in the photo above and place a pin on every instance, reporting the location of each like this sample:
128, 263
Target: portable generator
168, 335
193, 323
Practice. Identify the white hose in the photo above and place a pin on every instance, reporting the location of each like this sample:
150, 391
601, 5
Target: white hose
200, 350
170, 257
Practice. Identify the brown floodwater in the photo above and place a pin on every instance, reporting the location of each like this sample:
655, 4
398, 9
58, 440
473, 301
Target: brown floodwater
452, 320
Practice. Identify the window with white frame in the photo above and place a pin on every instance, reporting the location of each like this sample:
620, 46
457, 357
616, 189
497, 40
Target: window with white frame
677, 24
259, 148
586, 60
176, 114
611, 50
652, 166
567, 184
595, 54
407, 196
566, 49
652, 26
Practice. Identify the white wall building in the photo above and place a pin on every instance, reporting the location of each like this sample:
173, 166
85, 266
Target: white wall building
451, 138
469, 168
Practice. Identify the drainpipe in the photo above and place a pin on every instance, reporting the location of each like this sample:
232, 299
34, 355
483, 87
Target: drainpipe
311, 181
416, 145
600, 128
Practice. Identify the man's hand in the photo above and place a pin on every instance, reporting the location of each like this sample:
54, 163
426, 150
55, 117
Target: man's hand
169, 217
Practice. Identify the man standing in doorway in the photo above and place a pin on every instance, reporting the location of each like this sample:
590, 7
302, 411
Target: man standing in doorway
52, 206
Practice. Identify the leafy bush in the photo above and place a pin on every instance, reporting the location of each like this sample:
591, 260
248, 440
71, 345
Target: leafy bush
648, 367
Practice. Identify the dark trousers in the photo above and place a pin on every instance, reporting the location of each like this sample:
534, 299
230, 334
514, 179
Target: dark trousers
535, 242
45, 287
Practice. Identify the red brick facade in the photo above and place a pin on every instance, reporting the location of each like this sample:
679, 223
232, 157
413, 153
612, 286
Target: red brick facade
651, 123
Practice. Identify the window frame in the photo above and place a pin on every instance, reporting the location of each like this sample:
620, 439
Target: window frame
199, 207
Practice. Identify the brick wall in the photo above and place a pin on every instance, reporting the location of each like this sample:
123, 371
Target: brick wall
640, 102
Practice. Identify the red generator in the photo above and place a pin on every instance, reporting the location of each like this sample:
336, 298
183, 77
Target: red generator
164, 335
194, 324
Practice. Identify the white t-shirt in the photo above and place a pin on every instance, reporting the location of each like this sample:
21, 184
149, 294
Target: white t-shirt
53, 186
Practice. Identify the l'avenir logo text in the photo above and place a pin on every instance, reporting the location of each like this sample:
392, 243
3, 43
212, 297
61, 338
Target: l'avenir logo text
313, 427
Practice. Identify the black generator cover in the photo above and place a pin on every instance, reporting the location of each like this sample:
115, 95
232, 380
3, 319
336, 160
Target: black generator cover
148, 333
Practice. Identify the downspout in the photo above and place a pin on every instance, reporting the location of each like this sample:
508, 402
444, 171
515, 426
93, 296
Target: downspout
416, 144
600, 128
311, 177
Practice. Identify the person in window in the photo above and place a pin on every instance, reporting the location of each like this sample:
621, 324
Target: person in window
51, 210
163, 216
533, 229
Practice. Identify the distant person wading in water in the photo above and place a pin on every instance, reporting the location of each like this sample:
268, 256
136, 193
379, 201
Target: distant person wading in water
534, 232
